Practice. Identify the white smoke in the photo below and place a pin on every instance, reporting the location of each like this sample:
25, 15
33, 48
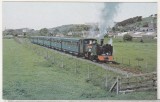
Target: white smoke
92, 32
107, 18
110, 41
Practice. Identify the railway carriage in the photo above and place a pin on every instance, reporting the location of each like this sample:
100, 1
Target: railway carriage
46, 41
55, 42
41, 40
70, 45
85, 47
34, 39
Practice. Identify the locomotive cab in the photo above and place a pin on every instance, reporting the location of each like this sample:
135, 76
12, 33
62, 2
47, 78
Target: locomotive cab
90, 46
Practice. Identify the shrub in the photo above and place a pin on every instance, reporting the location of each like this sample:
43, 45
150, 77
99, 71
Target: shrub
127, 37
141, 40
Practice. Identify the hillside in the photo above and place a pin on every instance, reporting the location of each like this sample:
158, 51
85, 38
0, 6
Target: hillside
131, 24
70, 28
137, 23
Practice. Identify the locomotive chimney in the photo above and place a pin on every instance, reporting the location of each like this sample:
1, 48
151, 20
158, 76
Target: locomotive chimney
102, 41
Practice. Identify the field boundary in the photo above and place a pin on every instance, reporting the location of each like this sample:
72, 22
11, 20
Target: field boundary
121, 84
102, 65
141, 82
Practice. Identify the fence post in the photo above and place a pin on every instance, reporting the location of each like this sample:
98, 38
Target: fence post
137, 63
146, 64
129, 61
53, 60
62, 61
106, 83
88, 71
47, 55
117, 86
76, 67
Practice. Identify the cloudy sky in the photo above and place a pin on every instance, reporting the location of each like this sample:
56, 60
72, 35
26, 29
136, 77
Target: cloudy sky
39, 15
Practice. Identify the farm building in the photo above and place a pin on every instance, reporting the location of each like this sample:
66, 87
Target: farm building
7, 36
143, 35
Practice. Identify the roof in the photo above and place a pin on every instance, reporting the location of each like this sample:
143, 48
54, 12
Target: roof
63, 38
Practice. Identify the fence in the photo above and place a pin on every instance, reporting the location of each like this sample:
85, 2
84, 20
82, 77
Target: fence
93, 74
64, 62
137, 64
135, 83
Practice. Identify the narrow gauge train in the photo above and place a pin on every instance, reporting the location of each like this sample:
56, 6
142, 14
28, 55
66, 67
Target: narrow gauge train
85, 47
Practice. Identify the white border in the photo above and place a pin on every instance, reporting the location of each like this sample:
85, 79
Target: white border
91, 0
158, 50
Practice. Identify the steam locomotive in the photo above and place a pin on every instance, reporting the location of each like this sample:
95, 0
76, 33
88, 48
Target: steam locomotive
85, 47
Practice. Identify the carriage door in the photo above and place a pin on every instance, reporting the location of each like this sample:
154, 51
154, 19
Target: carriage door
81, 46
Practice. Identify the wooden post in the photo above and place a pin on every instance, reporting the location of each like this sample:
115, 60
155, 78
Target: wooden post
146, 65
53, 60
106, 83
88, 71
137, 63
129, 61
47, 55
76, 67
117, 86
62, 62
101, 69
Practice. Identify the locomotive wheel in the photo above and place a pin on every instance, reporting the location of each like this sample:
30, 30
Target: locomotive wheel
85, 56
97, 60
91, 58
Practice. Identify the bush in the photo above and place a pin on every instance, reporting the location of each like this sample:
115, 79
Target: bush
127, 37
141, 40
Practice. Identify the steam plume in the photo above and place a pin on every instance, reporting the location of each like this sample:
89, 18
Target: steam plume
106, 18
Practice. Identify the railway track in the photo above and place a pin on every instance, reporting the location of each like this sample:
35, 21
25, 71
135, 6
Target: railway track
100, 64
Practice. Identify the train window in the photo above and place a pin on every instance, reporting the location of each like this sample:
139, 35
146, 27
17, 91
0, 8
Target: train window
90, 41
94, 42
86, 42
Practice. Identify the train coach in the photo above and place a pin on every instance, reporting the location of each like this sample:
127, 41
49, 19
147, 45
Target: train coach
85, 47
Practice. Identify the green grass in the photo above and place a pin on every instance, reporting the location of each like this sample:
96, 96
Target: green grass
28, 75
136, 50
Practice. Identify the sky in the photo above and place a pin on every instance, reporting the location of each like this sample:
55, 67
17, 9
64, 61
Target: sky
37, 15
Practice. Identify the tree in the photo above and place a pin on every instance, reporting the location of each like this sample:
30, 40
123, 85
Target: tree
43, 32
24, 34
145, 24
127, 37
56, 31
113, 29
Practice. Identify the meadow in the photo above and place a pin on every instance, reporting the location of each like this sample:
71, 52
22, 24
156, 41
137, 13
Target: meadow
34, 72
134, 55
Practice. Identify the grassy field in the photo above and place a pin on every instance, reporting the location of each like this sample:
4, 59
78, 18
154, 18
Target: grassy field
128, 54
33, 72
